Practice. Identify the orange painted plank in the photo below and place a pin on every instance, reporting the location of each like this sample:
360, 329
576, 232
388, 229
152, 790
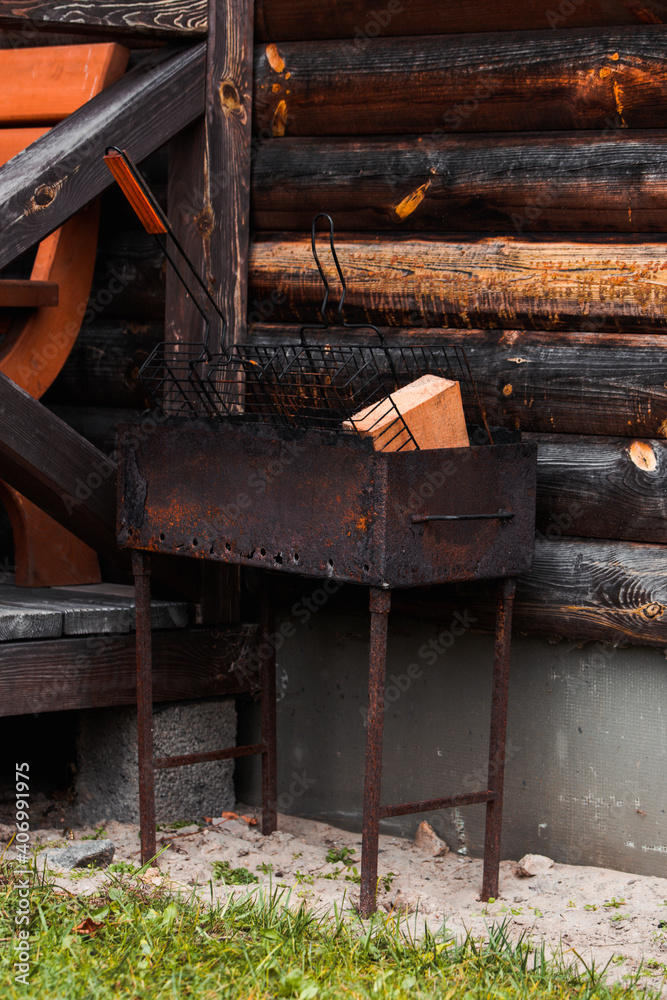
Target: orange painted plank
42, 86
13, 140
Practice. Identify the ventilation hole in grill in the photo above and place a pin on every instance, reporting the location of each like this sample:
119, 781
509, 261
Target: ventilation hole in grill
194, 541
161, 536
278, 558
228, 546
331, 563
211, 550
262, 552
296, 557
366, 567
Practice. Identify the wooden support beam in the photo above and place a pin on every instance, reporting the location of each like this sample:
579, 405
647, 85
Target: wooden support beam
602, 488
62, 171
56, 469
612, 592
613, 181
364, 20
604, 78
155, 19
51, 676
473, 282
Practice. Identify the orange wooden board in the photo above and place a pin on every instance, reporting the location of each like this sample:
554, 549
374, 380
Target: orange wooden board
42, 86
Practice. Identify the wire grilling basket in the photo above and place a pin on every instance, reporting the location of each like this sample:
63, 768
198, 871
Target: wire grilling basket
311, 384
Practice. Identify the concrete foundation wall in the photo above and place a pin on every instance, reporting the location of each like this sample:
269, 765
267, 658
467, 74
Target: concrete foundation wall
586, 777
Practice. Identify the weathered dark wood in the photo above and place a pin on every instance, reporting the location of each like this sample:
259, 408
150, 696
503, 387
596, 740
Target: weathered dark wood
515, 81
167, 19
229, 110
45, 184
363, 20
81, 611
601, 284
50, 464
570, 383
613, 181
612, 592
602, 488
103, 366
100, 672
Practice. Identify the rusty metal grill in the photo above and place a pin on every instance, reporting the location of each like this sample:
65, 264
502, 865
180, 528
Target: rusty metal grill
300, 386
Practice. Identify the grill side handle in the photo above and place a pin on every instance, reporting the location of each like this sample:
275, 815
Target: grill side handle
501, 515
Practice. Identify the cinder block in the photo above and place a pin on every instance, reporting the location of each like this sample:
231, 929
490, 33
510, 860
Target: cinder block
107, 770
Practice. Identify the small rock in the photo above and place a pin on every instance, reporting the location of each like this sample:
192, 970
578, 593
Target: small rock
533, 864
183, 831
82, 854
407, 902
232, 826
426, 839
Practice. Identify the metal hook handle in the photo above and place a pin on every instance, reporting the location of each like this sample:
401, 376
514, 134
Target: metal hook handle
341, 277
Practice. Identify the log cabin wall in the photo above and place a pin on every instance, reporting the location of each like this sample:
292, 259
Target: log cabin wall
504, 189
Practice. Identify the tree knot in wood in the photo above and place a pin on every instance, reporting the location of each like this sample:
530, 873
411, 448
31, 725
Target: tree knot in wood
204, 221
643, 456
654, 610
43, 196
229, 96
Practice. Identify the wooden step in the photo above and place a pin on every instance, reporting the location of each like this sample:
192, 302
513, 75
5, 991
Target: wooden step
49, 612
24, 294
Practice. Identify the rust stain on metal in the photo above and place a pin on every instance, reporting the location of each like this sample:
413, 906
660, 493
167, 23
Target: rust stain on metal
279, 124
507, 390
605, 71
643, 456
411, 202
275, 60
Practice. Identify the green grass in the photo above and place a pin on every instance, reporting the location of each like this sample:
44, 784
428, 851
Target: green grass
145, 944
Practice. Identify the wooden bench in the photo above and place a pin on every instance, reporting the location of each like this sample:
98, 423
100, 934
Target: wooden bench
40, 317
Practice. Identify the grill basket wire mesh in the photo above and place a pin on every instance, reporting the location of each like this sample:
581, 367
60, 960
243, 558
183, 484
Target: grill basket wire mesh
304, 385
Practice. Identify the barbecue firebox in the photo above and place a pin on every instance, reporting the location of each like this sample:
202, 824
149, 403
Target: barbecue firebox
328, 506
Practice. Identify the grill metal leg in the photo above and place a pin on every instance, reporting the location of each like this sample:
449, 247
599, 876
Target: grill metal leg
268, 699
501, 672
142, 596
380, 603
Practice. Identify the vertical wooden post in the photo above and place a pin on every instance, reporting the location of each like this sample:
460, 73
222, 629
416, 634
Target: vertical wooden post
209, 178
209, 208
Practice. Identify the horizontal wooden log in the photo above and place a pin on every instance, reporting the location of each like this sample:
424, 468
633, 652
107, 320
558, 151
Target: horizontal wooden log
51, 676
611, 78
615, 181
570, 383
602, 488
163, 19
611, 592
363, 20
63, 170
484, 282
